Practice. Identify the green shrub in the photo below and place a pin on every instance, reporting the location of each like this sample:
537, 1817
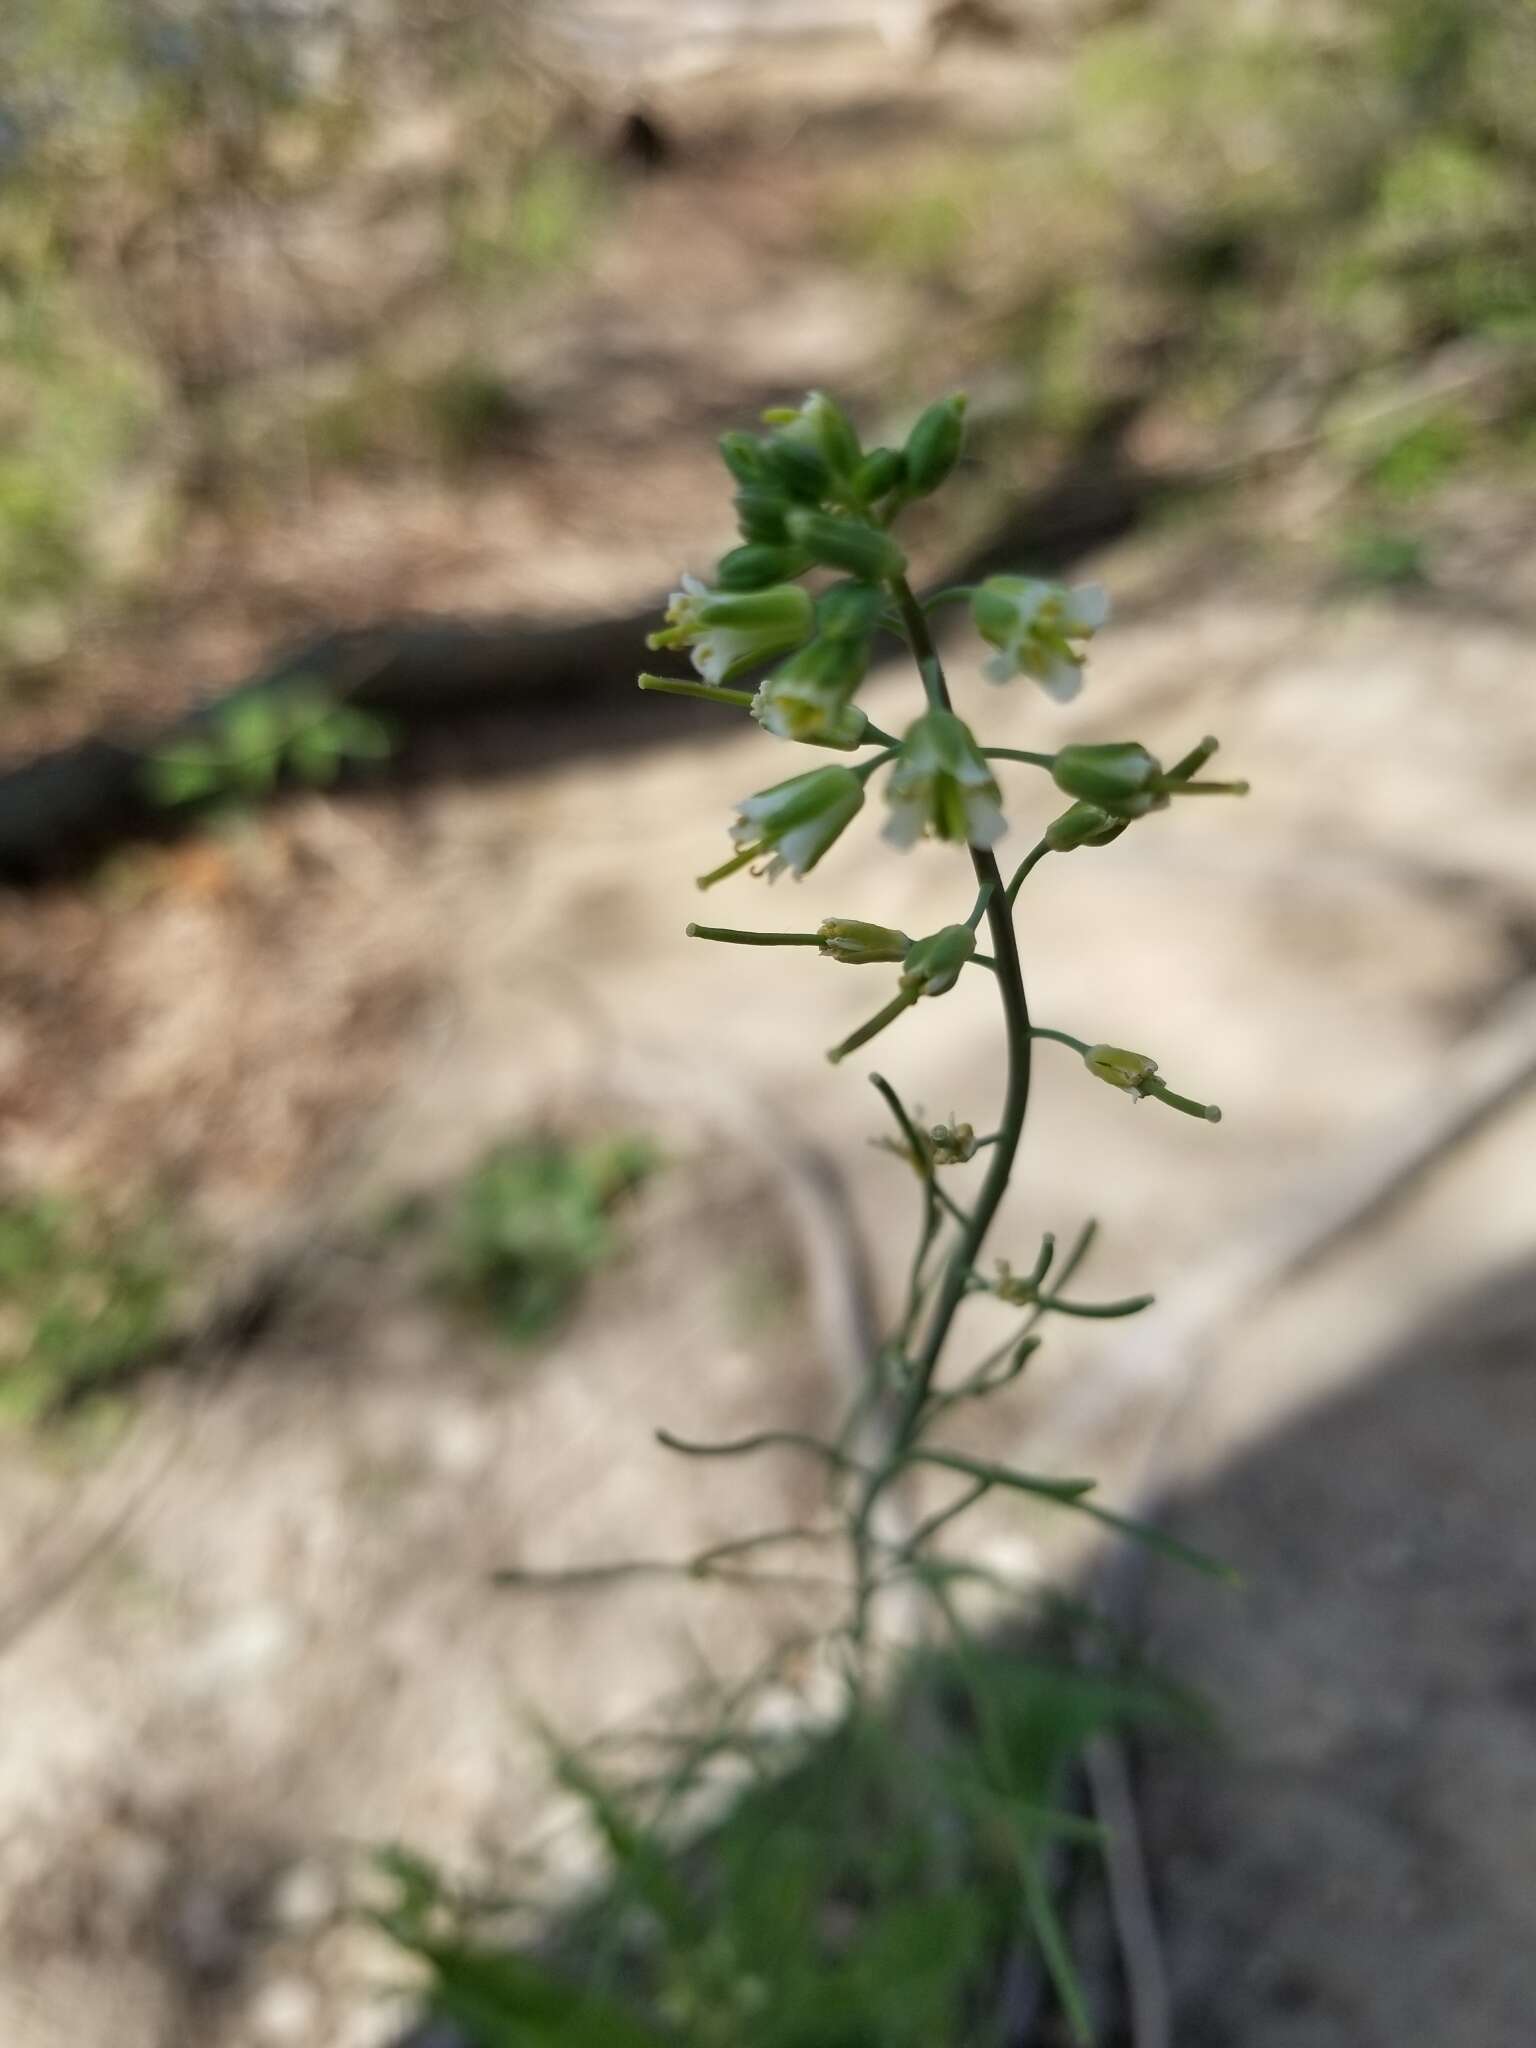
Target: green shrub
533, 1222
82, 1301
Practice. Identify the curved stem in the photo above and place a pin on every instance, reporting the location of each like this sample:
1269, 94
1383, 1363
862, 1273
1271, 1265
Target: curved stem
1026, 868
1010, 981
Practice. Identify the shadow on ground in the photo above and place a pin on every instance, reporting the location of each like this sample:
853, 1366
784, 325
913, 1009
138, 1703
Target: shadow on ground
1356, 1867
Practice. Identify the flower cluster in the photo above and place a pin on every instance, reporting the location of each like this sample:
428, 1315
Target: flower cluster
799, 605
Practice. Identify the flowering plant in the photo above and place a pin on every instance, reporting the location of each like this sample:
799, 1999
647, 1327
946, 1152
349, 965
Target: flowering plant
812, 499
813, 503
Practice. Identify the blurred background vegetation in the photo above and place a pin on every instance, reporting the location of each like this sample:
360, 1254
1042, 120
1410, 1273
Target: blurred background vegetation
245, 250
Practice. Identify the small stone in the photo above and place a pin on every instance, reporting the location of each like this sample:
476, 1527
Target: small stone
285, 2010
305, 1896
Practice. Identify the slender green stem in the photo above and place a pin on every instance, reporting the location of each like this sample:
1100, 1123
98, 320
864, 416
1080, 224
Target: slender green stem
710, 693
864, 769
1025, 869
1102, 1311
1079, 1252
1018, 754
1079, 1045
922, 1160
1010, 982
872, 1026
956, 593
875, 737
733, 938
1192, 762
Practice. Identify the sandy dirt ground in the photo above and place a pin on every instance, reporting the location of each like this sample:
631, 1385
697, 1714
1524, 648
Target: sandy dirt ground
283, 1643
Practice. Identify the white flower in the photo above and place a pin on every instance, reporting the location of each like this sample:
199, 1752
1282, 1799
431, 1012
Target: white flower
941, 785
793, 823
729, 631
797, 704
1033, 625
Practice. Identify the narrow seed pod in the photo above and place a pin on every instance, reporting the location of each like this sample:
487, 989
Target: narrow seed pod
933, 446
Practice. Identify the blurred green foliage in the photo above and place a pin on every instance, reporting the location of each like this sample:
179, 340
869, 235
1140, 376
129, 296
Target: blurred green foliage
298, 730
528, 221
83, 1300
862, 1892
533, 1221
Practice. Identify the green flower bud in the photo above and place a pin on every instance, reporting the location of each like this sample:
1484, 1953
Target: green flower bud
756, 565
932, 966
798, 468
742, 455
1083, 825
933, 446
878, 474
1121, 777
793, 823
730, 631
850, 544
857, 944
849, 611
1131, 1071
1138, 1077
822, 424
760, 514
941, 785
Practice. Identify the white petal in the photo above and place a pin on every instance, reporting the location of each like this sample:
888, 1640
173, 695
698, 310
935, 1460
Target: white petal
800, 846
1000, 668
1060, 678
984, 821
693, 586
1086, 608
904, 825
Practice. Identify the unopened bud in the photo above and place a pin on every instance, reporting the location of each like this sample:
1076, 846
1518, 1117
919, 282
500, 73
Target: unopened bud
933, 446
823, 425
857, 944
932, 966
850, 544
742, 455
1121, 777
1131, 1071
757, 565
760, 511
849, 611
879, 474
1084, 824
798, 468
